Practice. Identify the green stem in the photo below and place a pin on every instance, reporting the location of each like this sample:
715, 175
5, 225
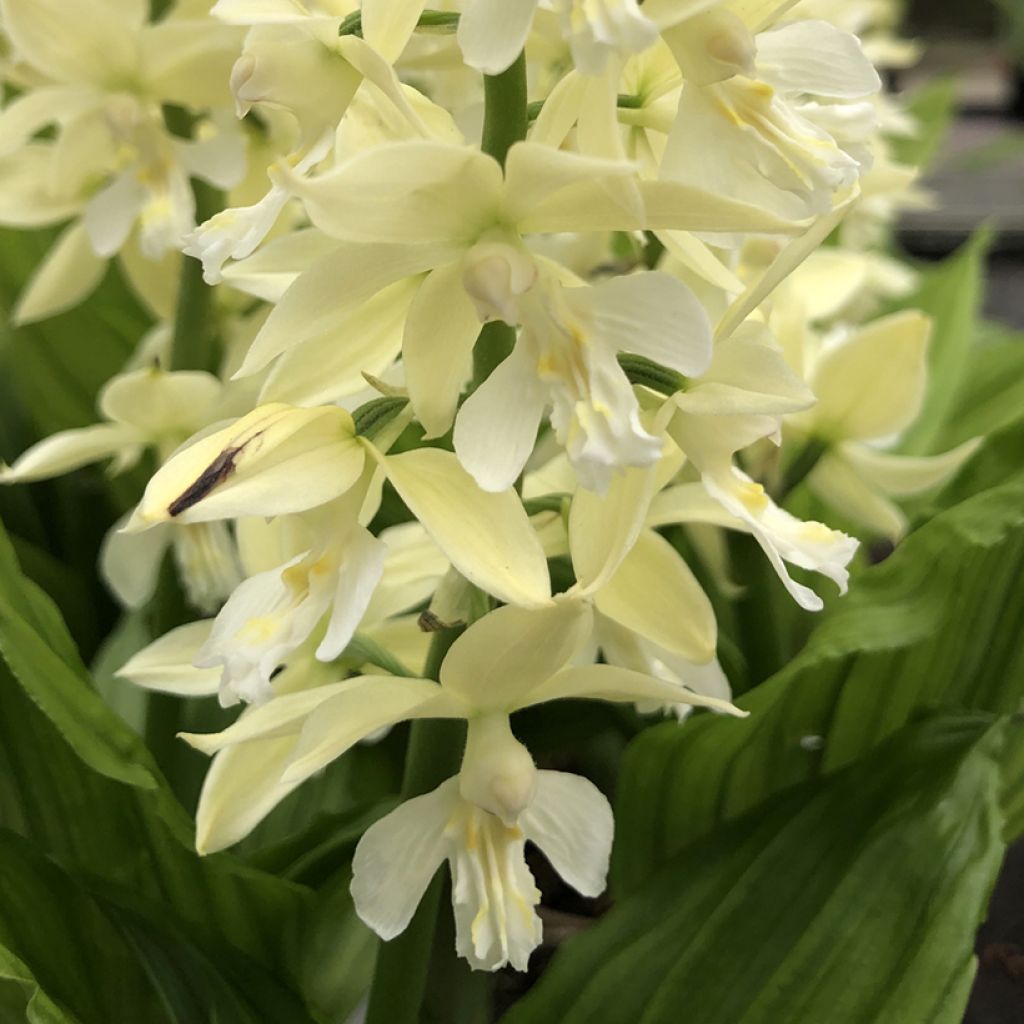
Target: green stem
435, 746
759, 631
505, 123
433, 755
504, 110
799, 469
194, 342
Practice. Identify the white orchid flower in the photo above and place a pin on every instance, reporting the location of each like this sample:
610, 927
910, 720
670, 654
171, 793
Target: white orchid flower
492, 33
293, 60
627, 649
870, 384
782, 117
279, 460
510, 659
463, 227
740, 400
100, 74
157, 409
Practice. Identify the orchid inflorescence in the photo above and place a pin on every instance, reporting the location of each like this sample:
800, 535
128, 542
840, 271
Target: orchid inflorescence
553, 276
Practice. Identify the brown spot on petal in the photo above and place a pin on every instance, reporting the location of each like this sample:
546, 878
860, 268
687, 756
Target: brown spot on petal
215, 474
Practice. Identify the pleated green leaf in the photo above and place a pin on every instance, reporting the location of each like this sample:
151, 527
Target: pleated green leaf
935, 625
851, 900
78, 782
991, 395
951, 294
98, 956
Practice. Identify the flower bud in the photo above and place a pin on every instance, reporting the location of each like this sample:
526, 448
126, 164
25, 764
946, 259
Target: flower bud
497, 773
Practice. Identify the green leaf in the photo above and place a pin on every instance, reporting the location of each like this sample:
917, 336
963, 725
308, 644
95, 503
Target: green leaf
951, 294
56, 376
36, 1006
42, 656
853, 899
992, 393
109, 956
934, 625
933, 107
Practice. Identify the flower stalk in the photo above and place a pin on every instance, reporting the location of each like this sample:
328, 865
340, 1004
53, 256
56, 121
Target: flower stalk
505, 123
193, 343
433, 755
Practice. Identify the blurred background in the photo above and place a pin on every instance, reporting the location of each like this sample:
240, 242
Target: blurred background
972, 59
972, 64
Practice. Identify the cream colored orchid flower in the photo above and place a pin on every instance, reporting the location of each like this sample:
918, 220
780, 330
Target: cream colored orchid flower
273, 612
412, 567
293, 60
510, 659
492, 33
463, 227
870, 384
146, 409
99, 73
780, 116
279, 460
740, 400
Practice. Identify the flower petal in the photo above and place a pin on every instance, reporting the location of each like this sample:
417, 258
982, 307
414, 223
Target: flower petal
536, 174
68, 274
655, 593
275, 460
368, 199
243, 785
398, 856
487, 537
816, 58
906, 475
166, 664
280, 716
492, 33
358, 575
840, 486
437, 347
330, 366
608, 682
653, 315
873, 384
511, 651
322, 299
571, 821
68, 450
603, 529
359, 707
130, 562
388, 25
497, 425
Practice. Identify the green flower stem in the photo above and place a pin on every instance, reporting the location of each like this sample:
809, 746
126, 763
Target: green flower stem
799, 469
435, 746
433, 755
194, 342
505, 123
504, 110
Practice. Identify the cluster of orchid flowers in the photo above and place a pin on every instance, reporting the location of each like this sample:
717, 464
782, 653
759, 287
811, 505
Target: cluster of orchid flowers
652, 244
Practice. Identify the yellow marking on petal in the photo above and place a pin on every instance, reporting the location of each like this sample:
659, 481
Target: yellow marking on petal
753, 496
816, 531
258, 630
